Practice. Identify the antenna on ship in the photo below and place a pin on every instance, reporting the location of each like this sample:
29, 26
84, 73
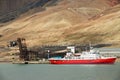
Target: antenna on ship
90, 46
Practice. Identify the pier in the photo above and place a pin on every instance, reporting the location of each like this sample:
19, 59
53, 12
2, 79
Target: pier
31, 62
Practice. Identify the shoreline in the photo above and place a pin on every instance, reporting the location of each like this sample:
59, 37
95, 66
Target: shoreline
117, 60
38, 62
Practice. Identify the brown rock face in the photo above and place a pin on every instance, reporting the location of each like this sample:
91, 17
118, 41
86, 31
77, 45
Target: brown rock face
114, 2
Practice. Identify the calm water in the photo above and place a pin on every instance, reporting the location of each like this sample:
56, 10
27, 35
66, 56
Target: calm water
59, 72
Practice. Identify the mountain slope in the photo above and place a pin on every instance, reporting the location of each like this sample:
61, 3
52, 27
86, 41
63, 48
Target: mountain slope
68, 22
11, 9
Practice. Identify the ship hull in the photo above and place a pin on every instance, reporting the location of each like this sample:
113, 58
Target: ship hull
80, 61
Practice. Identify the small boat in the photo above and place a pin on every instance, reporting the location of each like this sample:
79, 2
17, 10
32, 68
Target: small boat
86, 57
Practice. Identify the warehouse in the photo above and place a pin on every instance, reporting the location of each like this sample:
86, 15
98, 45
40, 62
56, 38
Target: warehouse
109, 51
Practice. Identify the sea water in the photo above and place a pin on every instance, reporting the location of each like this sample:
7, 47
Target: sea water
59, 72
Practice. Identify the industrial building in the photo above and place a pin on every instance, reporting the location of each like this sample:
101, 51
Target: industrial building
109, 51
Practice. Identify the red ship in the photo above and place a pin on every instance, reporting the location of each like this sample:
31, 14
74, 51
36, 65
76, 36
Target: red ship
91, 57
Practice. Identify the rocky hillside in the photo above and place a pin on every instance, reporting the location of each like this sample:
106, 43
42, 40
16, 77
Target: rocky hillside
67, 22
11, 9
